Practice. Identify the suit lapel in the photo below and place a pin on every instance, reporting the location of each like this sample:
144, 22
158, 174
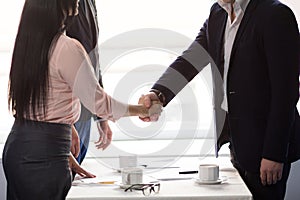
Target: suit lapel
220, 40
216, 30
248, 13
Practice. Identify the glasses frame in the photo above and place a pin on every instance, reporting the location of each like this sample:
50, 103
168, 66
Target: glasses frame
143, 187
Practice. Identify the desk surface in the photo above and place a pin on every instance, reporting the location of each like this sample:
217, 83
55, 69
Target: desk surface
230, 189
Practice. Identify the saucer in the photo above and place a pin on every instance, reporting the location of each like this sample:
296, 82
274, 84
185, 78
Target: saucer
203, 182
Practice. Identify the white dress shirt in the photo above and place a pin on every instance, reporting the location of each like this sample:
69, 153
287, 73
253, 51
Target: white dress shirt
239, 8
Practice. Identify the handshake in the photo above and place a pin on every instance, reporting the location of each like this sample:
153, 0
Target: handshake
151, 102
148, 109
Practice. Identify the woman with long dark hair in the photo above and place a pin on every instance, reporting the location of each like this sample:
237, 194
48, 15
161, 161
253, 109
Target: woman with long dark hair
49, 74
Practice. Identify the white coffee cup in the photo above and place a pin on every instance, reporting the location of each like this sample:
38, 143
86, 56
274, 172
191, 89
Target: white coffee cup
127, 161
208, 172
132, 175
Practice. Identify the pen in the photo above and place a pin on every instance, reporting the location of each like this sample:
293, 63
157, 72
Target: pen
106, 182
188, 172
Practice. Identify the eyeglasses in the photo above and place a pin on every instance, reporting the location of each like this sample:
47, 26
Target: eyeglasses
146, 188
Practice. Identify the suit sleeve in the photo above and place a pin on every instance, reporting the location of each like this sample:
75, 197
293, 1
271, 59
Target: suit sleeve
184, 68
281, 43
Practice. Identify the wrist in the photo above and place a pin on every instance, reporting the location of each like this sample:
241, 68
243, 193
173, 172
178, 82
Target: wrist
137, 110
159, 95
99, 119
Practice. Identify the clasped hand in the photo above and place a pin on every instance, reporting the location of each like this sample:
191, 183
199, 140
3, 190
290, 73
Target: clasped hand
152, 111
152, 102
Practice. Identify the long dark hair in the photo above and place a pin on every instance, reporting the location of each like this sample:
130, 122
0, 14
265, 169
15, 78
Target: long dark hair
41, 24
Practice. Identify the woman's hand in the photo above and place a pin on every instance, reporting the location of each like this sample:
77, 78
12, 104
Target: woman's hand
143, 112
105, 135
75, 167
75, 145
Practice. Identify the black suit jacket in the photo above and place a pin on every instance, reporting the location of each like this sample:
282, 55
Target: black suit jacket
84, 28
262, 82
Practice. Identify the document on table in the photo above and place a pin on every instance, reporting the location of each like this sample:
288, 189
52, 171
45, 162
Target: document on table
104, 181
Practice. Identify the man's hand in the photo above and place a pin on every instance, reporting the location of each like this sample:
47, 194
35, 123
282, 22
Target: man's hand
75, 145
270, 171
75, 167
105, 135
148, 100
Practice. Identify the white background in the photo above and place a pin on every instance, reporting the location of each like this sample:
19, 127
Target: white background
116, 17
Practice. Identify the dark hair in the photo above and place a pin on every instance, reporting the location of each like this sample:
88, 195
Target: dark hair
41, 24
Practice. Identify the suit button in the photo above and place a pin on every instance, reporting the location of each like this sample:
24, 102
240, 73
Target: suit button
231, 92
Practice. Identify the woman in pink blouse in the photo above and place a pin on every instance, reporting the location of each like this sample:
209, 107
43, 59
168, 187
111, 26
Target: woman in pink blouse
45, 89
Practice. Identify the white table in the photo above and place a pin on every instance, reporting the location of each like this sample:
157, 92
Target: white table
233, 188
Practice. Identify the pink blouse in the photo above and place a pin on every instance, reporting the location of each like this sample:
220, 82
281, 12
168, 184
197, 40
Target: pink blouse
71, 80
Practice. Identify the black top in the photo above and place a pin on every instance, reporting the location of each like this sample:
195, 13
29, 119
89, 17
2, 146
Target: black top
85, 29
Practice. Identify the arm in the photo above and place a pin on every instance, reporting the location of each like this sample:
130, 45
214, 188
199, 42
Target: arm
179, 73
281, 37
185, 67
78, 73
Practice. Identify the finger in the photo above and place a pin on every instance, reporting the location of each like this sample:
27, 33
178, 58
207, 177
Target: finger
147, 101
101, 146
279, 175
269, 178
103, 142
100, 139
97, 142
263, 178
80, 174
145, 119
274, 178
87, 174
141, 99
108, 138
106, 145
80, 171
154, 117
77, 150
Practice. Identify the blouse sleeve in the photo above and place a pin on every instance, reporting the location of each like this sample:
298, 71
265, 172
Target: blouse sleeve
76, 69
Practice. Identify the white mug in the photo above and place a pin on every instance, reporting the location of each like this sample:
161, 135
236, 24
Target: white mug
127, 161
208, 172
132, 175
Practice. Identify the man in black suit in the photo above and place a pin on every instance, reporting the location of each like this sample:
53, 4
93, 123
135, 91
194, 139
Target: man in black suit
253, 46
85, 29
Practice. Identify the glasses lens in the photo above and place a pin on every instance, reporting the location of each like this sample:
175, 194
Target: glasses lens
147, 191
156, 188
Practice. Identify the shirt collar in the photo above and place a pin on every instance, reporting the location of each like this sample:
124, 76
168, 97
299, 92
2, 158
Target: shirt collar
243, 4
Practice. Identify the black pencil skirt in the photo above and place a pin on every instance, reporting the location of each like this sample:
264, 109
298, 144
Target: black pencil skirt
35, 161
